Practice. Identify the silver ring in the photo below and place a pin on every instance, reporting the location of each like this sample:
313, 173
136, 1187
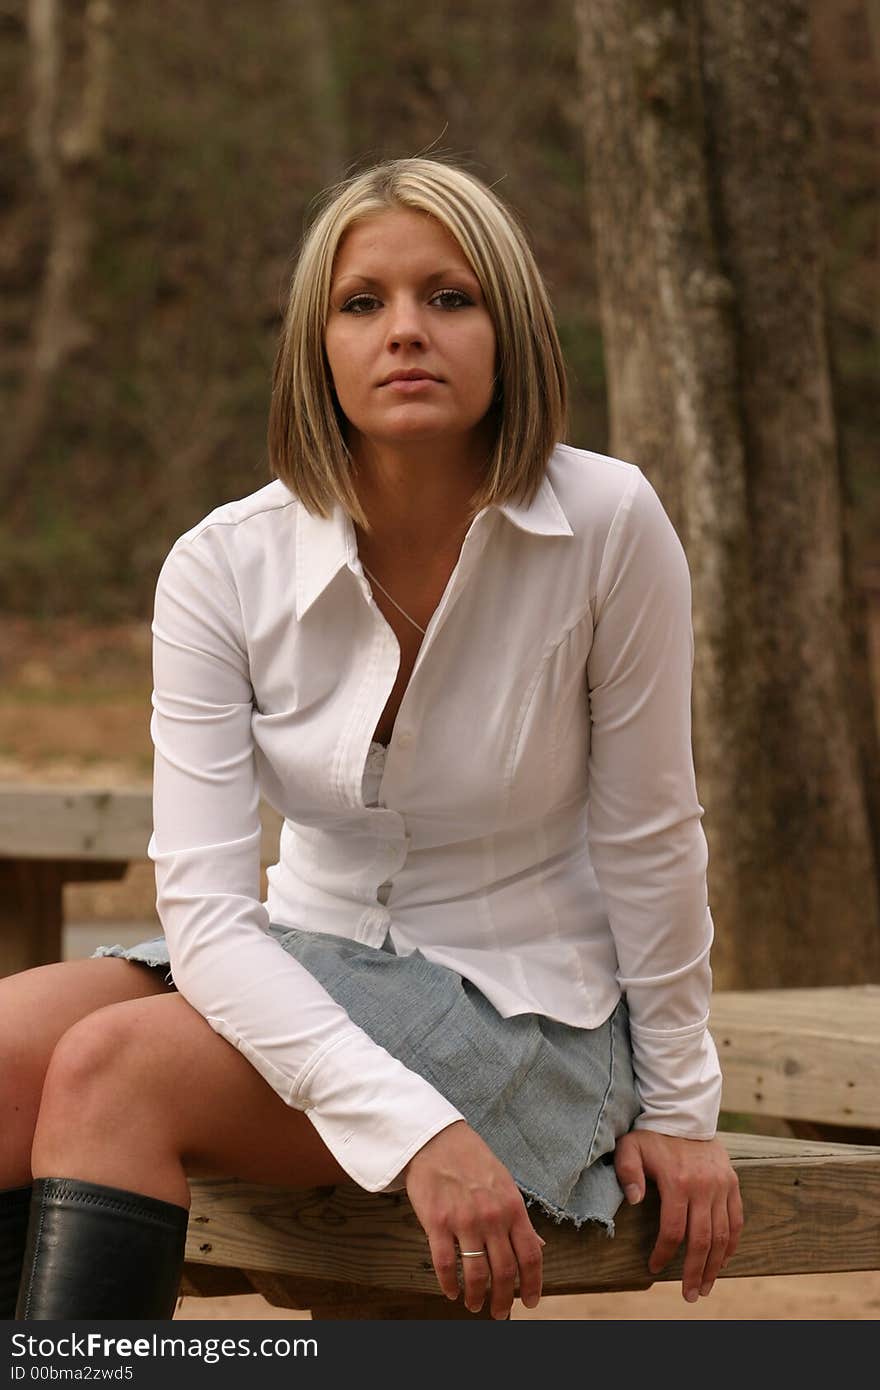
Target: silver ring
470, 1253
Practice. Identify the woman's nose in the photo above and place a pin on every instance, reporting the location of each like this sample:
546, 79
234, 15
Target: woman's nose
406, 326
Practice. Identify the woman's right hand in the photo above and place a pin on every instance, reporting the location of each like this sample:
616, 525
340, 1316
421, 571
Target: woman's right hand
463, 1195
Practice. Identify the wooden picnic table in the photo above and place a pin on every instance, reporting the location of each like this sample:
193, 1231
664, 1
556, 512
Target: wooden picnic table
343, 1253
50, 836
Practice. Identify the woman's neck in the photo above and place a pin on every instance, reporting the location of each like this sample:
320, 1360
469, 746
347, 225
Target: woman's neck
417, 498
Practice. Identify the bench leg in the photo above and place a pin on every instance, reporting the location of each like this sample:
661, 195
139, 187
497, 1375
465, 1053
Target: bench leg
32, 906
30, 913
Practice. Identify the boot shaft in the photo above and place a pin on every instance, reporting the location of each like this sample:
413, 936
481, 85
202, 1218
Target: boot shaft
100, 1252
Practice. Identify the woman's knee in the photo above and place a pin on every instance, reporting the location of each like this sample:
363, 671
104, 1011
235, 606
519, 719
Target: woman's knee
95, 1065
36, 1007
41, 1006
118, 1071
155, 1074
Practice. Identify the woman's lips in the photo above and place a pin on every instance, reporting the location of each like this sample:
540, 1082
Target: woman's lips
411, 386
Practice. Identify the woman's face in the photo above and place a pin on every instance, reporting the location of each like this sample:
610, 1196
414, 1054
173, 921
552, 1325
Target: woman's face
403, 299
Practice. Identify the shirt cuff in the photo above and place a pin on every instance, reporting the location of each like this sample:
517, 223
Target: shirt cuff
371, 1111
678, 1076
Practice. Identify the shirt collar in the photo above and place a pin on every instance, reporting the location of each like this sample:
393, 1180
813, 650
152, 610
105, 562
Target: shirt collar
325, 544
543, 516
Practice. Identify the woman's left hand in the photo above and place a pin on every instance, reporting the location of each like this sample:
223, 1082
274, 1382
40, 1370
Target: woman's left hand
699, 1201
463, 1195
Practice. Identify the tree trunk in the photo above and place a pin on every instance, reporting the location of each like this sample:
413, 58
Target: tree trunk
700, 133
319, 70
65, 157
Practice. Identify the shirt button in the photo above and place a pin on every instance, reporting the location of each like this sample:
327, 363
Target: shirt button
406, 738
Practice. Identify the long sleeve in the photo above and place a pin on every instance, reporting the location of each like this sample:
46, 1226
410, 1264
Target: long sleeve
646, 840
371, 1111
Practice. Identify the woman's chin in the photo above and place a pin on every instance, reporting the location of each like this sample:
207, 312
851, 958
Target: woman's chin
415, 424
413, 431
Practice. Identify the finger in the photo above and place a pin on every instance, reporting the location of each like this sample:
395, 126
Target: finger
719, 1246
528, 1249
629, 1169
502, 1263
673, 1225
699, 1245
475, 1270
443, 1258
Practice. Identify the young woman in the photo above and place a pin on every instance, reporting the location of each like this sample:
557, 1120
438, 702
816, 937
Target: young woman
455, 654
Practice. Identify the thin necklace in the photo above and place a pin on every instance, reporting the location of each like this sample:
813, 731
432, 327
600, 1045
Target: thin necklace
421, 629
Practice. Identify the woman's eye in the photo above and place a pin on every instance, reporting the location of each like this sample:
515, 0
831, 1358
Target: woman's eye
446, 299
452, 299
359, 304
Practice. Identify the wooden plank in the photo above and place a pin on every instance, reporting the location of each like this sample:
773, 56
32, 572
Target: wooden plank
88, 823
805, 1054
810, 1208
74, 823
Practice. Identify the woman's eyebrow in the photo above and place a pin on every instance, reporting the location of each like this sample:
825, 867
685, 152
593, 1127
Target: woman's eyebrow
450, 272
361, 279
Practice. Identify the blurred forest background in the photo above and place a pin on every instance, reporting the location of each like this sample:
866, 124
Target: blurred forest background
157, 165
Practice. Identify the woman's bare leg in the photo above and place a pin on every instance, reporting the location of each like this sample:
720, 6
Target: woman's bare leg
142, 1094
37, 1007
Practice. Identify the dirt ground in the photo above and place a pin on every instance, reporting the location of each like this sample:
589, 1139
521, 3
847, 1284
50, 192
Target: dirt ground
75, 708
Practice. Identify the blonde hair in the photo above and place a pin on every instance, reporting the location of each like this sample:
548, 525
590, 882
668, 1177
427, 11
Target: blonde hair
307, 449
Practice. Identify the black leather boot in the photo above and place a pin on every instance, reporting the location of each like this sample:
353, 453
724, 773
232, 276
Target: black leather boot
100, 1252
15, 1204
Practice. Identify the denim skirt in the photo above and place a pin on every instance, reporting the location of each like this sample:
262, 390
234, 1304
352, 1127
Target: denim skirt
549, 1099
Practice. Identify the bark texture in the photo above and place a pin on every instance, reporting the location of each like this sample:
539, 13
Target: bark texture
320, 74
65, 154
700, 143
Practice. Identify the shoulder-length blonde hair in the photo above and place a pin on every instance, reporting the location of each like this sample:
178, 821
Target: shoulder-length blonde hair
307, 449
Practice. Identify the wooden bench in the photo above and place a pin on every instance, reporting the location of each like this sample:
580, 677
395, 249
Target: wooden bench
809, 1055
345, 1253
811, 1206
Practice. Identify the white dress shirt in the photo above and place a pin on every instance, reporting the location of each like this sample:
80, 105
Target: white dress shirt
537, 826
